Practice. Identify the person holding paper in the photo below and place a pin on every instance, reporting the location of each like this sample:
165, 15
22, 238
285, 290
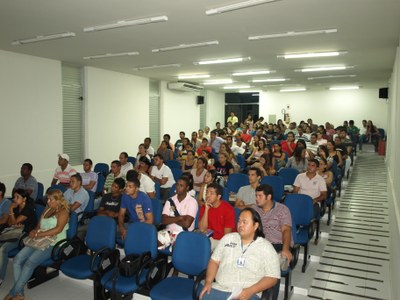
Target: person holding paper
243, 264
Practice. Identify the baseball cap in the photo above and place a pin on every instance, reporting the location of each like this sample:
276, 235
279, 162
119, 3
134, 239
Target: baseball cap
64, 156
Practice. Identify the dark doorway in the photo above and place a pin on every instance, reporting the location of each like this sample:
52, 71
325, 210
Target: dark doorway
242, 104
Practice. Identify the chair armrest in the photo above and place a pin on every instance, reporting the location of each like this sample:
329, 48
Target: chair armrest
196, 284
104, 260
65, 249
295, 253
156, 273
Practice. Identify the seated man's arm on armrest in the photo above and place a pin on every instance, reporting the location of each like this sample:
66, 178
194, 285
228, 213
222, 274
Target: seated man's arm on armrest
75, 206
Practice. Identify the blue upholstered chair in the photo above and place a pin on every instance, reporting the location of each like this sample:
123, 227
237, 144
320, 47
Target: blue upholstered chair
276, 182
236, 181
102, 168
188, 245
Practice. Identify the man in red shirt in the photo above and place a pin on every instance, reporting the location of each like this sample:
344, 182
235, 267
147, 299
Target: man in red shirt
216, 215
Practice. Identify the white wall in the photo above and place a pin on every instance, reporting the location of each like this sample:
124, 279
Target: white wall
322, 106
215, 108
179, 111
117, 110
31, 116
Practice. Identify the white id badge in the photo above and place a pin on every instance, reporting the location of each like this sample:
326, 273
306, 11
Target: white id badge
240, 262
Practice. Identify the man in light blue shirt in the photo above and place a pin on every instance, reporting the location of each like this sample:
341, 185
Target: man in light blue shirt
76, 195
215, 141
4, 205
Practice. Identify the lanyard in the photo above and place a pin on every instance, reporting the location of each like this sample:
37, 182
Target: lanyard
241, 246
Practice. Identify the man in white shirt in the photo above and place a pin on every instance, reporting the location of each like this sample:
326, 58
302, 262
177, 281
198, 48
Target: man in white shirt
235, 148
312, 145
149, 148
162, 174
125, 164
146, 184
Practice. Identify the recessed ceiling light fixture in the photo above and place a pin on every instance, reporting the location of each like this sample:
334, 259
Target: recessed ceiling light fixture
218, 81
185, 46
194, 76
290, 34
293, 90
41, 38
156, 67
235, 6
270, 80
343, 88
331, 76
311, 54
222, 61
126, 23
249, 73
249, 91
236, 87
106, 55
322, 69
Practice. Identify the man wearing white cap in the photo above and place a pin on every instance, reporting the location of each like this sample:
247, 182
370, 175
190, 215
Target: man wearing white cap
64, 171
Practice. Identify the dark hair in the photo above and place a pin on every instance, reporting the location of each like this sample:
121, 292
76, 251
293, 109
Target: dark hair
23, 193
218, 188
257, 170
124, 154
314, 161
301, 141
314, 134
132, 174
256, 219
29, 166
88, 160
116, 162
78, 177
351, 122
3, 189
213, 174
203, 160
182, 132
290, 132
159, 156
120, 182
148, 139
297, 154
213, 132
205, 139
145, 160
325, 149
135, 181
167, 136
190, 179
266, 189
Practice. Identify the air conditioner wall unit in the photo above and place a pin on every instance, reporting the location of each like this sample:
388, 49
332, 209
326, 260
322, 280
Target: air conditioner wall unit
184, 86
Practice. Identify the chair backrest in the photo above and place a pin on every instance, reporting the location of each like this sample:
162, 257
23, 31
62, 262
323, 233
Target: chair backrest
237, 213
171, 163
241, 161
90, 206
191, 245
100, 183
157, 210
236, 181
40, 191
157, 189
60, 187
140, 238
288, 175
172, 190
132, 160
39, 211
101, 233
276, 182
301, 208
73, 226
225, 194
102, 168
177, 173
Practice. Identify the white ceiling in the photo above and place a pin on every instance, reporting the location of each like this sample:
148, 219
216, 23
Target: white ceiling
368, 30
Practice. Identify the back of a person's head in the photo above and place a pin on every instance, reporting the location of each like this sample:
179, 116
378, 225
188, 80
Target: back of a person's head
2, 189
120, 182
131, 174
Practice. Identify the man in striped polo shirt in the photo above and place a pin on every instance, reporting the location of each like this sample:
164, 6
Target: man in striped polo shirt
64, 171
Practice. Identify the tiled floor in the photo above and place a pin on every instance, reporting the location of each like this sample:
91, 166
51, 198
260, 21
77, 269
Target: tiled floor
325, 278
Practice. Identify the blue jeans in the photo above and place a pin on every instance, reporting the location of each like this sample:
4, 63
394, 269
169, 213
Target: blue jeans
4, 249
24, 264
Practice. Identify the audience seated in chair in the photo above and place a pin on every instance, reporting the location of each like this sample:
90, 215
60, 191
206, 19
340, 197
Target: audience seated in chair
148, 147
244, 260
76, 195
27, 181
162, 174
111, 202
216, 215
223, 167
63, 172
137, 203
247, 194
89, 178
125, 164
289, 145
146, 184
298, 161
115, 173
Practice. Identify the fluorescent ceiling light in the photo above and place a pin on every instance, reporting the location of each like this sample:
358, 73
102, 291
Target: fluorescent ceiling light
249, 73
343, 88
235, 6
290, 34
185, 46
236, 87
270, 80
218, 81
222, 61
331, 76
111, 55
249, 91
311, 54
293, 90
193, 76
319, 69
156, 67
41, 38
255, 95
126, 23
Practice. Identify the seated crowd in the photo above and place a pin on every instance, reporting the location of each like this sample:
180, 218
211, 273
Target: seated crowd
204, 163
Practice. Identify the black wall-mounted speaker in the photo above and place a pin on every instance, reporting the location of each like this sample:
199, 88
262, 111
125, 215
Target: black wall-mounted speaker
200, 99
384, 93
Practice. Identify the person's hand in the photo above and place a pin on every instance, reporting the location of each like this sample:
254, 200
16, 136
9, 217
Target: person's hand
244, 295
287, 254
12, 206
206, 289
32, 234
123, 232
